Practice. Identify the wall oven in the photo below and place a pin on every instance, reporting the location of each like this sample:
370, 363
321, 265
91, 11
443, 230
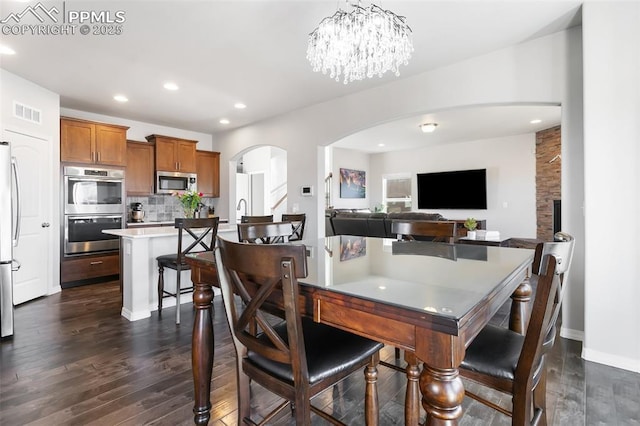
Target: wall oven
93, 201
83, 234
90, 190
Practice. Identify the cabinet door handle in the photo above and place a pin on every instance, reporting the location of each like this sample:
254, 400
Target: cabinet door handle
97, 262
98, 157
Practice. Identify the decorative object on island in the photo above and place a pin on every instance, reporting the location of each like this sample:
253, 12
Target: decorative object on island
362, 43
190, 201
471, 224
352, 183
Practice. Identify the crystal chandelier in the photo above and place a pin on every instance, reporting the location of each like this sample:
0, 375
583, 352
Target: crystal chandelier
362, 43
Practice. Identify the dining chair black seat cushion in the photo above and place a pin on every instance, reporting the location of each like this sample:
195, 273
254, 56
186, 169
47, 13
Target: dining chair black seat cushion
495, 352
329, 350
171, 261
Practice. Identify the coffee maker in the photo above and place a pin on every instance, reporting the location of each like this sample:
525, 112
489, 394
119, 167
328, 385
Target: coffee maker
137, 214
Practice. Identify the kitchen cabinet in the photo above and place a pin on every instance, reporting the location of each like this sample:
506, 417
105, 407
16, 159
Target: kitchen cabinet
89, 267
174, 154
140, 171
208, 171
88, 142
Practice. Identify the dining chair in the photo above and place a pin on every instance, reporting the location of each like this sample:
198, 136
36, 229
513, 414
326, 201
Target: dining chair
297, 224
256, 219
203, 232
264, 233
296, 358
434, 230
514, 364
438, 230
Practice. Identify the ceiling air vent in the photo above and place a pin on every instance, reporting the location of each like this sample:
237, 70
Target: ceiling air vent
27, 113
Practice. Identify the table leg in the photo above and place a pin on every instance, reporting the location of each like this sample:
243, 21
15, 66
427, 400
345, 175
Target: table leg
411, 404
442, 395
519, 317
202, 352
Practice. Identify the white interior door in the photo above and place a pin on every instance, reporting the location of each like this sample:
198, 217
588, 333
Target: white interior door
33, 251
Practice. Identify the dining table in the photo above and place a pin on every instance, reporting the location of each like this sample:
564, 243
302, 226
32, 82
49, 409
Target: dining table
429, 299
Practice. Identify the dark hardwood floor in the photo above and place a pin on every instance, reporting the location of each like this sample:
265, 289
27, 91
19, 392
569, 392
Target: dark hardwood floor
75, 361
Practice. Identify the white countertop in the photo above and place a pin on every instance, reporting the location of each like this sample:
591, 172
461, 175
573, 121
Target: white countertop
157, 223
159, 231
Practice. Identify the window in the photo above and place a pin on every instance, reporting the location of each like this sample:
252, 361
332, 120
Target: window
396, 193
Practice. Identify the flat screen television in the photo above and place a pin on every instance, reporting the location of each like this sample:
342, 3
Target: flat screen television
461, 189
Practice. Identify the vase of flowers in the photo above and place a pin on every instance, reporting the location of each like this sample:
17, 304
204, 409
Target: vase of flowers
190, 201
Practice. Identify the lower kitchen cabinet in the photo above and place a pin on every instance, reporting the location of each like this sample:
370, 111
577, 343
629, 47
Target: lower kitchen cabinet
84, 268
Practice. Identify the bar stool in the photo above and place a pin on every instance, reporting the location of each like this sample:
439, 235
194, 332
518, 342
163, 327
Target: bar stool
203, 232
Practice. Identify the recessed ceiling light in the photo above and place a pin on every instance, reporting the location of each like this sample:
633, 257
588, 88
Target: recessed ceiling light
6, 50
536, 121
380, 144
170, 86
239, 105
428, 127
224, 121
121, 98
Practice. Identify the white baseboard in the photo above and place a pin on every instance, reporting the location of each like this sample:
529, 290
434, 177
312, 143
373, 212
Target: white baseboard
568, 333
55, 289
134, 316
611, 360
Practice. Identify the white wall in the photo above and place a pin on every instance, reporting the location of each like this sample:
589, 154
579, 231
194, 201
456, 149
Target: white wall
511, 171
612, 182
16, 89
355, 160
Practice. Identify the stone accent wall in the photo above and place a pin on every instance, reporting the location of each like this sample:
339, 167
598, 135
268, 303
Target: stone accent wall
548, 178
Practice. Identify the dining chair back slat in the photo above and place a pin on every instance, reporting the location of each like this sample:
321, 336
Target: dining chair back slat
264, 233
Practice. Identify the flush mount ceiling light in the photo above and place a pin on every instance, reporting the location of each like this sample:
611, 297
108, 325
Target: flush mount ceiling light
362, 43
239, 105
224, 121
535, 121
169, 85
428, 127
121, 98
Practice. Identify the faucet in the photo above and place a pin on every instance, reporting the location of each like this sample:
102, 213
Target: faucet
240, 204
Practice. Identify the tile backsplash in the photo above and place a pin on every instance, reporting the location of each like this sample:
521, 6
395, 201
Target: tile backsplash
161, 208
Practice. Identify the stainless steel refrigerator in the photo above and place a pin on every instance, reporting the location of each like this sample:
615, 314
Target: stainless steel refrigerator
9, 232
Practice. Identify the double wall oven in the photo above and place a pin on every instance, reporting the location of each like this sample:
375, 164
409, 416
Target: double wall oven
93, 201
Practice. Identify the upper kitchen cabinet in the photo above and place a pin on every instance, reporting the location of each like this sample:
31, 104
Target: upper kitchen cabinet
208, 171
83, 141
140, 156
174, 154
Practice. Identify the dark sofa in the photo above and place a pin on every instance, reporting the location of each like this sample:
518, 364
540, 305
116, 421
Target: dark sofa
365, 223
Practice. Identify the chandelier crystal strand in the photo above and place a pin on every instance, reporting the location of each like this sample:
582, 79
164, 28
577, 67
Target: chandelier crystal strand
362, 43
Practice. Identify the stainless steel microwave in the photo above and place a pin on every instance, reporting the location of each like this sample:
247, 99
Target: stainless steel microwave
170, 182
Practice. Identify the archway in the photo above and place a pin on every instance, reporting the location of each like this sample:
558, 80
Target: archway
258, 182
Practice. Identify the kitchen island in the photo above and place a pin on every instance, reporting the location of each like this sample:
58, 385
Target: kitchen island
139, 248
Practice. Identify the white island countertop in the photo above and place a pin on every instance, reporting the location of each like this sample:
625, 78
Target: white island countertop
160, 231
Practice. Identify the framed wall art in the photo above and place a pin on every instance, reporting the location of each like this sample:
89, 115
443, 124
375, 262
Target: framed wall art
352, 183
352, 246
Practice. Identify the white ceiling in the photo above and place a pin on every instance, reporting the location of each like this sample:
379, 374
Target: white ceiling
223, 52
